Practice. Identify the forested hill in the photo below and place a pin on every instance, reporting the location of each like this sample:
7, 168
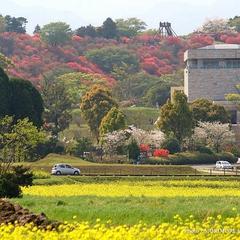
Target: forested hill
143, 58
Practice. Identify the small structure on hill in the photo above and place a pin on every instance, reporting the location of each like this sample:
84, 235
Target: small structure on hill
165, 29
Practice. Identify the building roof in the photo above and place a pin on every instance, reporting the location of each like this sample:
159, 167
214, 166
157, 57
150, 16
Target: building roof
222, 46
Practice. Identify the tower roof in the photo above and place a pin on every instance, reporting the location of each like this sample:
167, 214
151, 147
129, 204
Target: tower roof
222, 46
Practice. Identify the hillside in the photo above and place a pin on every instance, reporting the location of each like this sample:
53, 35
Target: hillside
33, 58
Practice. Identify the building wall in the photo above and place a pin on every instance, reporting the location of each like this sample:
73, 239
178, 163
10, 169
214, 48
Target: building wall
211, 84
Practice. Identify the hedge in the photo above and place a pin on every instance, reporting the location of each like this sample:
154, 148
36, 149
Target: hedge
192, 158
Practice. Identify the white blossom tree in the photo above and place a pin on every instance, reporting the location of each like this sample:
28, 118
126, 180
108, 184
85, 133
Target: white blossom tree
217, 25
111, 141
213, 134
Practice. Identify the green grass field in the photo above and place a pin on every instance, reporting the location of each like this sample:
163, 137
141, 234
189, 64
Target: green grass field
141, 117
200, 198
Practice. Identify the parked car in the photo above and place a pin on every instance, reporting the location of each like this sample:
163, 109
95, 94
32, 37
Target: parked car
65, 169
224, 165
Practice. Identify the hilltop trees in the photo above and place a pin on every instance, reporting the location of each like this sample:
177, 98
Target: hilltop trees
109, 29
13, 24
95, 104
130, 27
56, 33
110, 57
235, 23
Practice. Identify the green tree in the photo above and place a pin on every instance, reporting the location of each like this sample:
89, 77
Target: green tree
57, 105
114, 120
4, 61
157, 95
130, 27
83, 145
4, 94
87, 31
108, 57
109, 29
17, 141
205, 111
235, 22
56, 33
95, 104
176, 117
37, 29
133, 150
2, 24
25, 101
13, 24
77, 83
234, 97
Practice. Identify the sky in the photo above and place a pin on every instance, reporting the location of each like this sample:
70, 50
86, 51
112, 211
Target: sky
185, 15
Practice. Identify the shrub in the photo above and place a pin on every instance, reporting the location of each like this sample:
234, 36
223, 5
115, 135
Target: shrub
22, 175
39, 174
192, 158
133, 150
172, 145
227, 156
9, 187
204, 149
161, 153
156, 161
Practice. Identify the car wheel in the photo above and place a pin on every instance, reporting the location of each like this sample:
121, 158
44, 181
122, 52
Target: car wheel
58, 173
76, 173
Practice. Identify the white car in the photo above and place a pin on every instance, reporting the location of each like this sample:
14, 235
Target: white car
224, 165
65, 169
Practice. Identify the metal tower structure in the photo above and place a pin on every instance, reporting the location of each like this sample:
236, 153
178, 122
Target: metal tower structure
166, 30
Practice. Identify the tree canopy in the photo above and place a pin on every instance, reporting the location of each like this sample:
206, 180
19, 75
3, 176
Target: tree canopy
56, 33
114, 120
26, 101
206, 111
95, 104
109, 57
130, 27
176, 117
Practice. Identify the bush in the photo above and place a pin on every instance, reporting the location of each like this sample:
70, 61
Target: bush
193, 158
22, 175
39, 174
9, 186
161, 153
172, 145
203, 149
133, 150
227, 156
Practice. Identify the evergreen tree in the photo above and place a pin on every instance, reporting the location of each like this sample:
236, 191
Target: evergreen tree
109, 29
4, 94
176, 117
25, 101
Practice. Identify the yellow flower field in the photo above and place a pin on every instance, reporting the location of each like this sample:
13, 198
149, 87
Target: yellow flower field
189, 229
186, 188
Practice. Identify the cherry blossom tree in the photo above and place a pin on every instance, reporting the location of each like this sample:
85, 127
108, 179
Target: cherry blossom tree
213, 134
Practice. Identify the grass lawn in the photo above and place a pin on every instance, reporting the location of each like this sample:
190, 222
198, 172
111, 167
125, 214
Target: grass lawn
130, 200
87, 167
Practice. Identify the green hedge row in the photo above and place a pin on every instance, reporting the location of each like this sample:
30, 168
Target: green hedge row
192, 158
